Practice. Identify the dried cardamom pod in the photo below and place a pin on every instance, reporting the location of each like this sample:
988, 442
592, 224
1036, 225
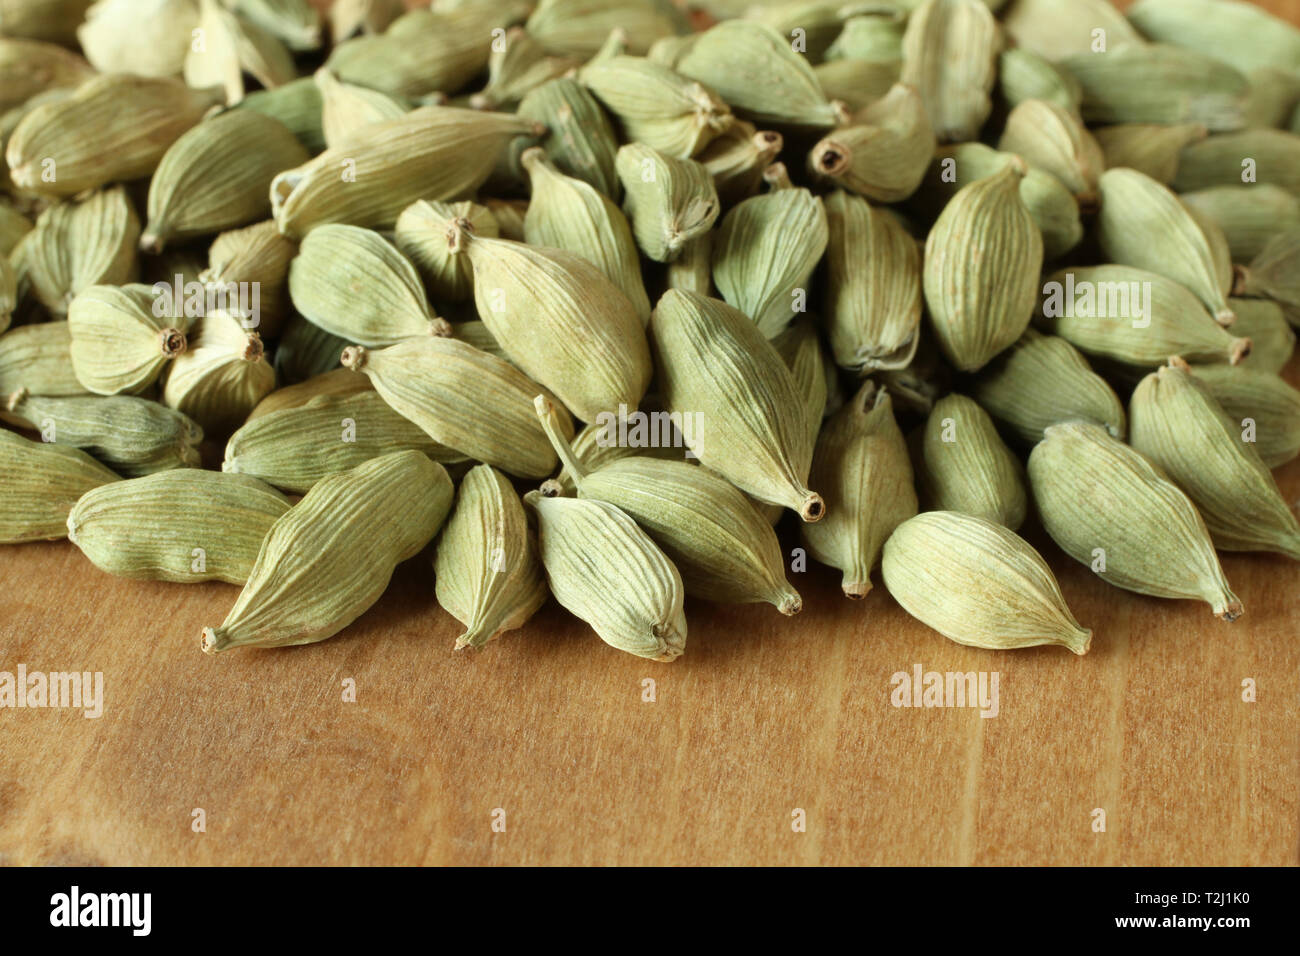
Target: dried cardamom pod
293, 448
305, 350
227, 46
252, 265
37, 358
1240, 34
738, 158
715, 364
873, 286
13, 226
1152, 83
76, 245
598, 445
1042, 380
1144, 225
1275, 274
217, 176
133, 436
876, 35
861, 463
330, 556
54, 21
692, 270
8, 292
40, 483
977, 583
1249, 215
378, 301
435, 153
1134, 317
1177, 423
421, 235
1261, 404
630, 594
580, 27
669, 201
1273, 96
184, 526
802, 353
1055, 29
488, 574
560, 320
766, 250
568, 213
297, 105
964, 465
296, 22
1149, 148
350, 17
30, 67
980, 276
221, 376
463, 398
1026, 75
1053, 139
1109, 508
121, 339
1271, 336
477, 334
579, 137
336, 383
755, 71
1220, 252
950, 55
517, 66
857, 83
346, 107
883, 152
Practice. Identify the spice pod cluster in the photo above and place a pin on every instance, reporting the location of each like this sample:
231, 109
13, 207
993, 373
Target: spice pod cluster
623, 302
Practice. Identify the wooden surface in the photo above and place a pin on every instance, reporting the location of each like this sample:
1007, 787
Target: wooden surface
762, 715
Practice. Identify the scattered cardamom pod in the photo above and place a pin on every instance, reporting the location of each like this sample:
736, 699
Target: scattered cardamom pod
221, 375
78, 244
347, 108
119, 340
950, 55
31, 67
338, 382
874, 35
738, 158
518, 65
1056, 29
1275, 274
1055, 140
669, 201
421, 235
883, 152
857, 83
41, 482
579, 137
298, 105
1150, 148
1272, 338
964, 466
580, 27
250, 266
1248, 215
1026, 75
1241, 34
1263, 407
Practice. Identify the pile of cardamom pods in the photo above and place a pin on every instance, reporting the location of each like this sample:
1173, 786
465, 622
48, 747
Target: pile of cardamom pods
590, 294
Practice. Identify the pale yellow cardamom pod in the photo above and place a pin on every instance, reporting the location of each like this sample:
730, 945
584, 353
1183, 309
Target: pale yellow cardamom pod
346, 107
31, 67
1249, 215
738, 158
1150, 148
349, 17
1265, 409
251, 265
579, 27
669, 201
1054, 139
337, 382
52, 20
221, 376
232, 46
964, 465
1055, 29
148, 37
78, 244
950, 55
119, 340
39, 484
421, 235
518, 65
884, 150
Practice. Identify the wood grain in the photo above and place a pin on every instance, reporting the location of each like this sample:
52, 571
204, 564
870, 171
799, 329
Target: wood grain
762, 715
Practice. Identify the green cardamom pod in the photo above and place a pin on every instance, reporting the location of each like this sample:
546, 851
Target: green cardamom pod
597, 445
119, 342
1108, 507
305, 350
669, 201
857, 83
580, 27
1248, 215
231, 47
221, 376
339, 382
883, 152
810, 368
1150, 148
350, 17
8, 292
257, 258
950, 55
1177, 423
1026, 75
876, 35
1056, 29
738, 159
964, 465
41, 482
1261, 404
297, 105
75, 245
30, 67
52, 20
1275, 274
579, 137
36, 358
518, 65
346, 107
1054, 139
1240, 34
477, 335
1273, 96
978, 583
421, 235
1272, 338
692, 270
296, 22
13, 226
862, 465
330, 556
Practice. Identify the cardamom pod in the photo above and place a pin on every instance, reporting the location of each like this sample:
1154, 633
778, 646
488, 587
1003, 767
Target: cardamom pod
54, 21
119, 341
1026, 75
1261, 404
36, 358
857, 83
296, 22
669, 201
229, 46
964, 466
1248, 215
599, 444
1274, 94
883, 152
516, 67
714, 363
183, 526
1272, 338
217, 176
982, 261
1056, 29
477, 335
802, 353
251, 266
41, 482
1108, 507
463, 398
1054, 139
298, 105
1177, 423
1150, 148
221, 376
876, 35
346, 107
607, 572
421, 235
692, 270
579, 137
350, 17
738, 158
330, 556
873, 286
978, 583
13, 226
339, 382
488, 574
1275, 274
1220, 252
580, 27
950, 55
31, 67
75, 245
305, 350
1240, 34
861, 462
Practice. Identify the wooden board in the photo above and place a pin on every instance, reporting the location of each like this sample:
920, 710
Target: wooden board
763, 717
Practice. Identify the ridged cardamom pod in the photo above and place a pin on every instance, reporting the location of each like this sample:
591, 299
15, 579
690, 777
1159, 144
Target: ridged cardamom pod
1273, 96
119, 342
40, 484
1249, 215
719, 543
1026, 75
52, 20
1112, 316
738, 159
338, 382
570, 214
1220, 251
421, 235
1177, 423
133, 436
1272, 338
297, 105
874, 35
1259, 403
579, 137
257, 258
346, 107
873, 286
114, 128
217, 176
1150, 148
606, 571
350, 17
1055, 140
330, 556
950, 55
692, 270
980, 276
37, 358
1275, 274
435, 153
857, 83
862, 465
13, 226
221, 376
379, 300
669, 201
184, 526
305, 350
656, 106
560, 320
30, 67
231, 47
964, 465
810, 368
463, 398
1152, 83
883, 152
598, 445
517, 66
766, 250
1144, 225
296, 22
75, 245
977, 583
1042, 380
477, 335
1055, 29
715, 364
293, 448
753, 68
1240, 34
1108, 507
580, 27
